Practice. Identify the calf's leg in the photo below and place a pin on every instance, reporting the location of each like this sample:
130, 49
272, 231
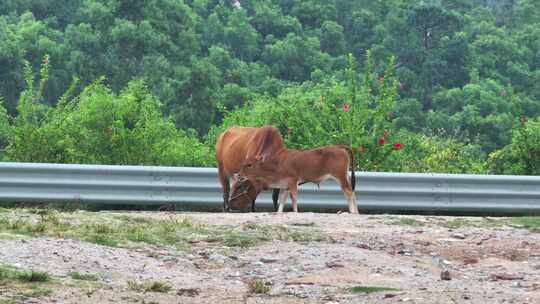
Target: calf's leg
349, 193
282, 199
293, 188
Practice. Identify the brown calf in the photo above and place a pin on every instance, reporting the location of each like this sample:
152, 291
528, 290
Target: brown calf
287, 168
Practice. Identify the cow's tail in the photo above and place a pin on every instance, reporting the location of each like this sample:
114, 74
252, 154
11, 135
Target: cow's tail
352, 164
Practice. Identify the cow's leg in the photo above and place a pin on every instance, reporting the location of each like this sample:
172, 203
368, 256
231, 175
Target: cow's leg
224, 180
349, 193
282, 199
275, 197
293, 188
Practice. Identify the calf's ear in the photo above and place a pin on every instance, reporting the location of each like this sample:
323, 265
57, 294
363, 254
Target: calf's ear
261, 158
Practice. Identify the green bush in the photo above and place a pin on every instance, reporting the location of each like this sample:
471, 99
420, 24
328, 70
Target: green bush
522, 156
100, 127
423, 154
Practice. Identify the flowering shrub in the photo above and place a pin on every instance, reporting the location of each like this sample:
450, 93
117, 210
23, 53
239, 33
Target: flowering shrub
331, 112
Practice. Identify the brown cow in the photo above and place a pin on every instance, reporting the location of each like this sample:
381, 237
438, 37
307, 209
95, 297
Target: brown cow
287, 168
237, 144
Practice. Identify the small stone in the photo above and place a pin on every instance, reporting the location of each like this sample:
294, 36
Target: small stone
363, 246
258, 264
404, 252
190, 292
389, 296
268, 260
505, 276
469, 261
334, 264
446, 262
445, 275
459, 236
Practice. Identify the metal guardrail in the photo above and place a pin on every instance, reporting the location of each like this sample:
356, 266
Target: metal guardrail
199, 187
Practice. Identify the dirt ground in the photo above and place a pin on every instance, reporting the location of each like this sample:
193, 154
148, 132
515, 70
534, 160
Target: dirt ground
413, 259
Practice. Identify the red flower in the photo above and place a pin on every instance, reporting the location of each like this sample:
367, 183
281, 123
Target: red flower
381, 78
386, 132
397, 145
345, 107
381, 141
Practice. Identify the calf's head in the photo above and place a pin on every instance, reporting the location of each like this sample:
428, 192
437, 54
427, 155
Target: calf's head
257, 168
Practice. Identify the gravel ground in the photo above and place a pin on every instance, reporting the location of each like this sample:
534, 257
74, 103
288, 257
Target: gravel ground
420, 259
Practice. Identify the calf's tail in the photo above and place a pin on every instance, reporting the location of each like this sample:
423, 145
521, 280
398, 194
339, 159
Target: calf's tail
352, 165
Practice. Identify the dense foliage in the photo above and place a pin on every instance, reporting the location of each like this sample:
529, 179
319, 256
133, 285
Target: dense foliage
100, 127
122, 76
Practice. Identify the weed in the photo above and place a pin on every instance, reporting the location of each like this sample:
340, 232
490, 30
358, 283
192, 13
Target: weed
370, 289
258, 286
36, 292
458, 223
83, 276
103, 240
407, 222
153, 286
33, 276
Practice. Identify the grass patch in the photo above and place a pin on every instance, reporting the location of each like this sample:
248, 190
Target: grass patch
23, 276
23, 284
121, 230
458, 223
408, 222
36, 292
83, 276
257, 286
33, 276
370, 289
529, 222
153, 286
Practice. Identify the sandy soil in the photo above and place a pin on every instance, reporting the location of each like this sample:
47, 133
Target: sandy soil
422, 259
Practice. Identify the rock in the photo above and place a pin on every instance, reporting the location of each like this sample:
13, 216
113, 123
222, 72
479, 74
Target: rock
469, 261
268, 260
363, 246
189, 292
459, 236
389, 296
406, 252
334, 264
258, 264
445, 275
505, 276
